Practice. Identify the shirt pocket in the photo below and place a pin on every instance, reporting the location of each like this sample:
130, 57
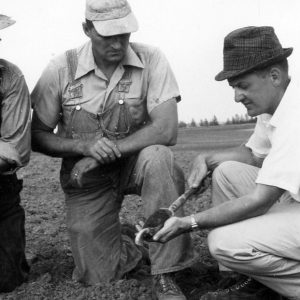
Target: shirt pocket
84, 125
73, 95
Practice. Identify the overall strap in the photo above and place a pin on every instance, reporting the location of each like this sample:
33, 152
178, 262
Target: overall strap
72, 62
119, 120
75, 86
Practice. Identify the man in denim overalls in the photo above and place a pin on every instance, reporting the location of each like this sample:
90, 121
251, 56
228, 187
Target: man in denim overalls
114, 105
15, 150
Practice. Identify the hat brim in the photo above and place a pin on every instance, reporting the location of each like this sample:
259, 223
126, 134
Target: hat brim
231, 74
6, 21
124, 25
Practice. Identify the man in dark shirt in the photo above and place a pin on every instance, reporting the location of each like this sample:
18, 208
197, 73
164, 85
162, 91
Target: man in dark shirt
14, 154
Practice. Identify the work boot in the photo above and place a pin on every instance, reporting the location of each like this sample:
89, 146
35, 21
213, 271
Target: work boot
229, 278
165, 287
248, 289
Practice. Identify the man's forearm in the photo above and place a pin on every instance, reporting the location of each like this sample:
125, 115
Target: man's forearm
232, 211
45, 141
254, 204
151, 134
53, 145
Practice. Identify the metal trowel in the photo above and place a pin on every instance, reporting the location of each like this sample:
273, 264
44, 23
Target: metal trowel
157, 220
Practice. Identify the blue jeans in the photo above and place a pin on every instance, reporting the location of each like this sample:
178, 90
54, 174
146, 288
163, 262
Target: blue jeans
100, 251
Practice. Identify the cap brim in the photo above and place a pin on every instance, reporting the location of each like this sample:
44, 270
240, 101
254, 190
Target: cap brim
6, 22
124, 25
231, 74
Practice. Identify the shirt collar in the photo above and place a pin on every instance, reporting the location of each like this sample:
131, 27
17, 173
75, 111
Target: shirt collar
131, 59
86, 62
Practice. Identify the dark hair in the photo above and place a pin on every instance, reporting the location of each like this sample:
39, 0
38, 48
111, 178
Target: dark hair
89, 24
264, 70
281, 64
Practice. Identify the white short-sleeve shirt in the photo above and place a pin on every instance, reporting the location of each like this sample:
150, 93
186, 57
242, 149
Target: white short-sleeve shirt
277, 139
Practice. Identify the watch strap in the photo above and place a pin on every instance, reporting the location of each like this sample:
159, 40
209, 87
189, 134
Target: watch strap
194, 224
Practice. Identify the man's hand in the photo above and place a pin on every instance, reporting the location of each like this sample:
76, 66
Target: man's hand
103, 150
197, 172
172, 228
83, 166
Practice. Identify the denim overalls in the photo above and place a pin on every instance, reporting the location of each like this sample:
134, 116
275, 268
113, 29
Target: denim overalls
101, 252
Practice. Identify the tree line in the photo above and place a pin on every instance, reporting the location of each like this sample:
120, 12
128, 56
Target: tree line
236, 119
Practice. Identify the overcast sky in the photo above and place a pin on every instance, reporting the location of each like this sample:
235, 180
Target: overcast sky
190, 33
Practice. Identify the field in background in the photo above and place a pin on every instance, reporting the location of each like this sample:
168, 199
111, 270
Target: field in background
213, 137
208, 139
48, 246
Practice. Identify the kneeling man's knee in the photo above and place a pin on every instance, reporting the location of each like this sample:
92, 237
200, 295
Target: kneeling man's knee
156, 153
158, 163
157, 159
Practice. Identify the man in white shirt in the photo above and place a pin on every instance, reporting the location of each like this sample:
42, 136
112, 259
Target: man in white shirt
256, 187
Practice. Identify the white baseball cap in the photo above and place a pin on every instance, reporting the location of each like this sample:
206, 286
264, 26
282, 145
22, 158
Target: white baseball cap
111, 17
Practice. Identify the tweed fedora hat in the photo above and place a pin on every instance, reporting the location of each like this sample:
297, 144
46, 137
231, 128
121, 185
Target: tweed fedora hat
6, 21
249, 48
111, 17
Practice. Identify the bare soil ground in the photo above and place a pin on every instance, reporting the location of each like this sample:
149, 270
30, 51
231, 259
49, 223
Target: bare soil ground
48, 248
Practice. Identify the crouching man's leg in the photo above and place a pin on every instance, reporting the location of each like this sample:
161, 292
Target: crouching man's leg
13, 266
159, 181
101, 253
229, 181
265, 248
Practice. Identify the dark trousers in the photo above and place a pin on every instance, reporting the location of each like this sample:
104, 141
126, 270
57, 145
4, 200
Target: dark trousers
13, 266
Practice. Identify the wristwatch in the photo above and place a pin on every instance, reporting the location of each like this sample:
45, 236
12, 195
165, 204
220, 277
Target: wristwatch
194, 225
